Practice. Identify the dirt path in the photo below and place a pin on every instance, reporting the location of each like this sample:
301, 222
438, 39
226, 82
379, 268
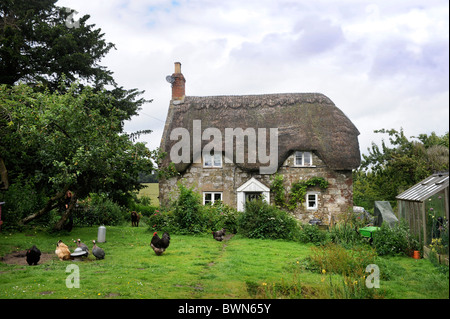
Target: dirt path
19, 258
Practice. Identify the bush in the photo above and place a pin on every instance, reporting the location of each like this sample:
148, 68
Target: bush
98, 209
188, 211
312, 234
162, 220
395, 241
220, 215
261, 220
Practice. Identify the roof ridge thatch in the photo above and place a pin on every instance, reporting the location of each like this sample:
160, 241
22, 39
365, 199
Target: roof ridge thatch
253, 100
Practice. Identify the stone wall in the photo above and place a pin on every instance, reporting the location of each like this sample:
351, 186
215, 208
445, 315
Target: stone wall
337, 198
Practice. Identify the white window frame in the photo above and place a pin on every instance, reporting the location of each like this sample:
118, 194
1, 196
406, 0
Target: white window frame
212, 197
303, 164
315, 200
211, 159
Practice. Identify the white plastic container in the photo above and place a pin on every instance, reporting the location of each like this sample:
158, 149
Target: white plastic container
101, 237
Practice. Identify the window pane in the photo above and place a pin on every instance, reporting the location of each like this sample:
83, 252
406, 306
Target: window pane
208, 197
298, 158
207, 160
218, 160
307, 160
217, 196
312, 201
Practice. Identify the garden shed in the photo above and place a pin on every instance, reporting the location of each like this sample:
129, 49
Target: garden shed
425, 207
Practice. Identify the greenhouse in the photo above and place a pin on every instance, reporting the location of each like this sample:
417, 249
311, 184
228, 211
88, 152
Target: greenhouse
425, 207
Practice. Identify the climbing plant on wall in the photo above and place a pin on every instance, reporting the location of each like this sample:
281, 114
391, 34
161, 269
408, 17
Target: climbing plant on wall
297, 193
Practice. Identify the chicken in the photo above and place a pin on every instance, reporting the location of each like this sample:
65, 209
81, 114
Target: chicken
97, 251
218, 235
83, 246
159, 245
33, 255
62, 251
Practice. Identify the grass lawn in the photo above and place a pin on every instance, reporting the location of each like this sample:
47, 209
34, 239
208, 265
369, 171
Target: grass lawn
193, 267
151, 190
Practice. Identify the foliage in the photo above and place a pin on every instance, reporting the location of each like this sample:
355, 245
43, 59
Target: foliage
220, 215
56, 142
312, 234
278, 190
388, 170
297, 193
262, 220
20, 198
345, 235
98, 209
188, 209
397, 240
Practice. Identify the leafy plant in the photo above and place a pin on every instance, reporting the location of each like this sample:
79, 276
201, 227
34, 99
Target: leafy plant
262, 220
188, 210
312, 234
397, 240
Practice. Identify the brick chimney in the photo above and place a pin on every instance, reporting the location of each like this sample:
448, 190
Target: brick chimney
178, 92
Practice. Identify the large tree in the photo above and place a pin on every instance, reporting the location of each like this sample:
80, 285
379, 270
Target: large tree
388, 170
61, 142
41, 44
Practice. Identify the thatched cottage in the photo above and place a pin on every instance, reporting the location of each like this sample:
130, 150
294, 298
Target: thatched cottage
230, 147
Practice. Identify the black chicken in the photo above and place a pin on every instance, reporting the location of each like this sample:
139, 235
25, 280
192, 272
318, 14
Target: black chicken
33, 255
159, 245
218, 235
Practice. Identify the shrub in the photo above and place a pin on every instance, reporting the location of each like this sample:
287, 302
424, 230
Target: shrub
98, 209
312, 234
395, 241
188, 211
261, 220
220, 215
161, 220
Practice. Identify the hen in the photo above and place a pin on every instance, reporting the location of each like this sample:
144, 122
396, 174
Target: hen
33, 255
159, 245
62, 251
97, 251
218, 235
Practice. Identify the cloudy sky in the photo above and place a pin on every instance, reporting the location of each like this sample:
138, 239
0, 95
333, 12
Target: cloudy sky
384, 63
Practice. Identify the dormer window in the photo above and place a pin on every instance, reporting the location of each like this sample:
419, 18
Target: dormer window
212, 160
303, 159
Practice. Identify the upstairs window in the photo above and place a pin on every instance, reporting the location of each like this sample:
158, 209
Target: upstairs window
303, 159
212, 160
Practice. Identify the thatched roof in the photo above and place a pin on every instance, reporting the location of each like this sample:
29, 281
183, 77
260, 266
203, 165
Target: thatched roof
305, 122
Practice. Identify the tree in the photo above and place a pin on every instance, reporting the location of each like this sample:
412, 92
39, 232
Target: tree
38, 45
387, 171
41, 46
59, 142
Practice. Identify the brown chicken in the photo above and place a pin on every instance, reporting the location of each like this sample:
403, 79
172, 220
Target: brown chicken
62, 251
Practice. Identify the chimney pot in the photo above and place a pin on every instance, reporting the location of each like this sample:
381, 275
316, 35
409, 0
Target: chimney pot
177, 67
